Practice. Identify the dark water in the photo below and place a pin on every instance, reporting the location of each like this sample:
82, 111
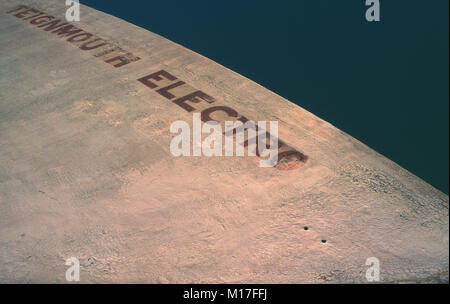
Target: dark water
384, 83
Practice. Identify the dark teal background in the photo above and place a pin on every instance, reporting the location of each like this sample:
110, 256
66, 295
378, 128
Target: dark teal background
384, 83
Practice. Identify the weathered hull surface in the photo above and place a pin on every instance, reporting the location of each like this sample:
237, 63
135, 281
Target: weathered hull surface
86, 172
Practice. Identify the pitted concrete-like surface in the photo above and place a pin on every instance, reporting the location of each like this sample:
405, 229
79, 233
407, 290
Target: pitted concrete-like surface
86, 172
